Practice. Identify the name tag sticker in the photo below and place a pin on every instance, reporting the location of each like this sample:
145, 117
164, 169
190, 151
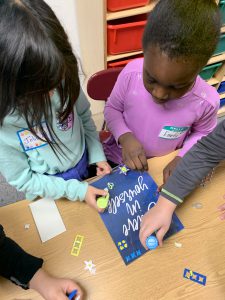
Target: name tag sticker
29, 141
172, 132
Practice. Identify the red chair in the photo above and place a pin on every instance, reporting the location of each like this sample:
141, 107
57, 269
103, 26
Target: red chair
99, 87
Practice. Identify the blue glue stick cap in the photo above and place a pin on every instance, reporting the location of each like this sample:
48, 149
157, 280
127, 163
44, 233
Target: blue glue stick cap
72, 294
152, 242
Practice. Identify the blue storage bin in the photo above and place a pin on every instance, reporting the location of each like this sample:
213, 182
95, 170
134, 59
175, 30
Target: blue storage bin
222, 102
222, 10
208, 71
221, 88
220, 46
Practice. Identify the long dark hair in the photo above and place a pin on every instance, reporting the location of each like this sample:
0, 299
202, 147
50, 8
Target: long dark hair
184, 28
35, 58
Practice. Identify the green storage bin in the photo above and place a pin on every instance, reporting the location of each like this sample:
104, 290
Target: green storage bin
208, 71
221, 45
222, 10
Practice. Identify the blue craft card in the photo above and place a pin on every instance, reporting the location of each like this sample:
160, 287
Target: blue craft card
131, 197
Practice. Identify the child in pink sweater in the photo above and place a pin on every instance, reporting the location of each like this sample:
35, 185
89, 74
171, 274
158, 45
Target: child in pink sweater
159, 103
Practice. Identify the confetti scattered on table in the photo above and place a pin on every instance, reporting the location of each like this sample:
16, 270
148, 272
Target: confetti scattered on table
194, 276
197, 205
178, 245
90, 267
77, 245
27, 226
123, 170
110, 185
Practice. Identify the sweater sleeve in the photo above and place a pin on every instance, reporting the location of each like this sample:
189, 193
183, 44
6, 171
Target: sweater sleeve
15, 264
14, 165
195, 165
95, 150
114, 108
203, 126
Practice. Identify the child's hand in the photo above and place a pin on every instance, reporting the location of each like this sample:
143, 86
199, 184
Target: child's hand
52, 288
222, 210
207, 178
133, 153
91, 196
103, 168
157, 219
170, 168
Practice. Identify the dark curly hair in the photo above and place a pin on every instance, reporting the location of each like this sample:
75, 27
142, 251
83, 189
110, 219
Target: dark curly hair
184, 28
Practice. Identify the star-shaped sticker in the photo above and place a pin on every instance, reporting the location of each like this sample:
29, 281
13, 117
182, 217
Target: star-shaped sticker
90, 267
124, 170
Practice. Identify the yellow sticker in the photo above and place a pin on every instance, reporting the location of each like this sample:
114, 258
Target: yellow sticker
77, 245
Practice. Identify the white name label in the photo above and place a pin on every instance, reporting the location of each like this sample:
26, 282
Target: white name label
172, 132
29, 141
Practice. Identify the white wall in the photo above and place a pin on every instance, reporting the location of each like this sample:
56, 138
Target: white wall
65, 10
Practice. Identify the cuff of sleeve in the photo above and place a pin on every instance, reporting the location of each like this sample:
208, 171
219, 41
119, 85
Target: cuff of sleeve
75, 192
17, 265
182, 152
120, 132
33, 264
95, 152
97, 157
173, 198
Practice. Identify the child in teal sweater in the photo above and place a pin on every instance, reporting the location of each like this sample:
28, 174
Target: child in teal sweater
47, 136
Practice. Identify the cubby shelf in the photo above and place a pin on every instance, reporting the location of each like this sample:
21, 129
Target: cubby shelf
92, 18
130, 12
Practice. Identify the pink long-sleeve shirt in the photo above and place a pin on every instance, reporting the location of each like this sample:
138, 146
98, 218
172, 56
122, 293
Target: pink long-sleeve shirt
161, 129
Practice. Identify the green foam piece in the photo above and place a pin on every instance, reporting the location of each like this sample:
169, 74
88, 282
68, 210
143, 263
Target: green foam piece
102, 202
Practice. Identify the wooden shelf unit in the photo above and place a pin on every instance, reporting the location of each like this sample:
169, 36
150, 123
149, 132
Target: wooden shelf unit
131, 12
92, 34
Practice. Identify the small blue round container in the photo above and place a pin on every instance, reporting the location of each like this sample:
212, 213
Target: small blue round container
152, 242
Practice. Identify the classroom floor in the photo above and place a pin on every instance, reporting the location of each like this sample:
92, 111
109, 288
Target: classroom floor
8, 194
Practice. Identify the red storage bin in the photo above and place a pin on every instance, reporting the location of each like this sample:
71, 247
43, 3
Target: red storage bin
125, 35
116, 64
115, 5
122, 62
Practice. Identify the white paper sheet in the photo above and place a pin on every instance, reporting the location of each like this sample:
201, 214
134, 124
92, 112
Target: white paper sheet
47, 218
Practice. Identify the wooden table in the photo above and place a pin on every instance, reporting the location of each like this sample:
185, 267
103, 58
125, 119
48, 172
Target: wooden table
156, 275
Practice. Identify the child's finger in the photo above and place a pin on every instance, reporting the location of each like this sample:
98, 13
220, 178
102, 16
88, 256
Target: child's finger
99, 171
138, 164
160, 235
62, 297
222, 217
144, 234
100, 192
222, 207
166, 175
159, 188
103, 168
108, 169
129, 163
143, 160
95, 206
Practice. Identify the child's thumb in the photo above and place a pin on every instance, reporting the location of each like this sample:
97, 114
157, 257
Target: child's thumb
160, 235
100, 192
